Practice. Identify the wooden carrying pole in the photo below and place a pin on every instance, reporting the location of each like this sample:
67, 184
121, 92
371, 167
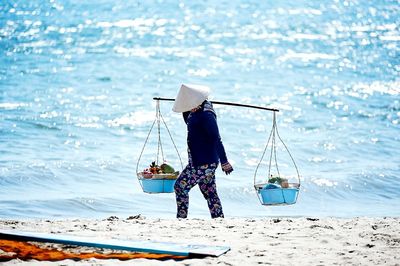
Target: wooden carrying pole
226, 103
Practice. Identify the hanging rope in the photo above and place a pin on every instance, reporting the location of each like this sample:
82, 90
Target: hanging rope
263, 154
159, 118
273, 146
291, 157
144, 145
159, 146
172, 140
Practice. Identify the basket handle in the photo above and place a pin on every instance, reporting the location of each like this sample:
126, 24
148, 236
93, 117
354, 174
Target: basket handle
158, 119
271, 139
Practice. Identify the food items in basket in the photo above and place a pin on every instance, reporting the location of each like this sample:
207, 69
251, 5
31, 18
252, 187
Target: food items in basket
283, 182
147, 174
167, 169
155, 170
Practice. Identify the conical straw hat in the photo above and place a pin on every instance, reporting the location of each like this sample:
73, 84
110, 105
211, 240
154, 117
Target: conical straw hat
189, 97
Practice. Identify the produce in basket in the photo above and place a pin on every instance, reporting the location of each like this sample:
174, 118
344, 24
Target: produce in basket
283, 182
167, 169
155, 169
147, 174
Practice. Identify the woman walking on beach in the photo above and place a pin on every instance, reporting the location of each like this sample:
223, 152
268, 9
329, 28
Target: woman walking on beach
205, 150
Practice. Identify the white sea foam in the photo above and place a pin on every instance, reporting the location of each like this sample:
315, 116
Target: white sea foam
291, 55
12, 105
132, 119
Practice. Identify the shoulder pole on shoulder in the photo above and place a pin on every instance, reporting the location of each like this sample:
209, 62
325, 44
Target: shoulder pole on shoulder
225, 103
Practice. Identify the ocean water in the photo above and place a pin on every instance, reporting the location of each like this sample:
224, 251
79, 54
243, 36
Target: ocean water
77, 81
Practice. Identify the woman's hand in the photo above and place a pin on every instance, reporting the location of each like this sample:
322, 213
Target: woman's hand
227, 168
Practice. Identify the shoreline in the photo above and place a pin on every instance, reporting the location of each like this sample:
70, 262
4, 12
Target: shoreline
253, 241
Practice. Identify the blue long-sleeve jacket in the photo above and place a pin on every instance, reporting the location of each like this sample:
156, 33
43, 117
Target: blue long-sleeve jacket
204, 142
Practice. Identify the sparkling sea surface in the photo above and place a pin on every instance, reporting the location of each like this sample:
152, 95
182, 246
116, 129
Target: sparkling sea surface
77, 81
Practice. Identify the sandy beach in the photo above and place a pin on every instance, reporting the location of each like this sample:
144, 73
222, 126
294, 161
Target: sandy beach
269, 241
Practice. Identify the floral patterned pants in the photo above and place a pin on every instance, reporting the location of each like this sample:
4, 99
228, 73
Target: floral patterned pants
204, 176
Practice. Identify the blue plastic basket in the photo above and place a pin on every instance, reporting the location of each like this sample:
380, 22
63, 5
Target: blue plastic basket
278, 196
158, 185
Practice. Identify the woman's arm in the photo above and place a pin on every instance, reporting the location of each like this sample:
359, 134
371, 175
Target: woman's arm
211, 128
